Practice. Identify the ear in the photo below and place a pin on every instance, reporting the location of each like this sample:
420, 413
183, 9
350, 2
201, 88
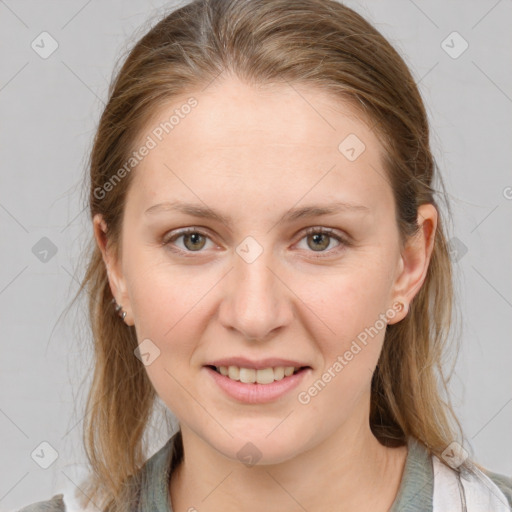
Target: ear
415, 259
115, 276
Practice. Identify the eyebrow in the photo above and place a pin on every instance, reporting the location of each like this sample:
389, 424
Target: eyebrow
291, 215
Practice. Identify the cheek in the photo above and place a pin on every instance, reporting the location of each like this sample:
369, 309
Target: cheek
349, 322
161, 296
350, 347
346, 303
165, 308
167, 312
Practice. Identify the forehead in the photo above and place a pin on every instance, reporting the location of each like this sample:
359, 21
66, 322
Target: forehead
283, 140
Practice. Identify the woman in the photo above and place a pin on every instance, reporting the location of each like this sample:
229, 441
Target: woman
270, 261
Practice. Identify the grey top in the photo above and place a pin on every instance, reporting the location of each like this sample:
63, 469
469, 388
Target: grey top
414, 494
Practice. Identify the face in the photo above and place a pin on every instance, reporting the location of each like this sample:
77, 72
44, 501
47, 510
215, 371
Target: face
271, 276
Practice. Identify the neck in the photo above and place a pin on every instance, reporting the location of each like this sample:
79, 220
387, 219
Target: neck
348, 472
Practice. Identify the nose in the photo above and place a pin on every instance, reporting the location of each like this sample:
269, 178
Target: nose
256, 302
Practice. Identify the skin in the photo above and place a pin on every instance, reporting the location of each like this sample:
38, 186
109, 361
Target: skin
253, 153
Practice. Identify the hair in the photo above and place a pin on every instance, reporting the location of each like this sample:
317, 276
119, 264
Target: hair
320, 43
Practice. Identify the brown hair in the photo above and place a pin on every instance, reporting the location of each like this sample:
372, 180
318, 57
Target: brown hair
326, 45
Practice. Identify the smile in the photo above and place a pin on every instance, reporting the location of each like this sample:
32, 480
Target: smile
251, 375
242, 384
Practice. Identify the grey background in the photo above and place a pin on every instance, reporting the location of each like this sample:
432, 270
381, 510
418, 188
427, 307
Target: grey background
49, 109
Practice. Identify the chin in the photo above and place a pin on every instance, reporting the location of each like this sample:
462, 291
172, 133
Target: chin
259, 449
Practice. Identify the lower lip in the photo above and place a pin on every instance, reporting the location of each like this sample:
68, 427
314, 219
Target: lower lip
254, 393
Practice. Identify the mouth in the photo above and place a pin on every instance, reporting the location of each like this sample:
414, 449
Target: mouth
251, 386
257, 376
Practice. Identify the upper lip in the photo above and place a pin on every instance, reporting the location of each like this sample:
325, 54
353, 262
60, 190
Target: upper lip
243, 362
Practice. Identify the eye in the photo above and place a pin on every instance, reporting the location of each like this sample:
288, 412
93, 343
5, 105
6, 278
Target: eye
318, 239
193, 240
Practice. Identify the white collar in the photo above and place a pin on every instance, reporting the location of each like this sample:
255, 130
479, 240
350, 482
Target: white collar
469, 490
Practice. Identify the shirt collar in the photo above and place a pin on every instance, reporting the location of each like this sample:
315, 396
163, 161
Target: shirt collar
417, 484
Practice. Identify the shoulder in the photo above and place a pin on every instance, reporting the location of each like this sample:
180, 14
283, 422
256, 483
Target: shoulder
55, 504
149, 484
503, 482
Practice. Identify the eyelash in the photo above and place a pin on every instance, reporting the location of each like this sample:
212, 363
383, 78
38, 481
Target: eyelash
310, 231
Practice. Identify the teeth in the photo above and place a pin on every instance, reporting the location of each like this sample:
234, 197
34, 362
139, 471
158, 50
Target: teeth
250, 375
234, 373
280, 371
288, 371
